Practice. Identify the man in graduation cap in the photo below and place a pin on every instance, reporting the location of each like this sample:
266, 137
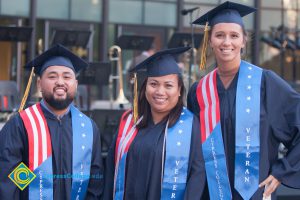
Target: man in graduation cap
157, 151
57, 142
245, 113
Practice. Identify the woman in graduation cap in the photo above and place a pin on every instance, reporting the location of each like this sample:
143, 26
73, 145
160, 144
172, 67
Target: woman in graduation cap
157, 151
245, 113
57, 142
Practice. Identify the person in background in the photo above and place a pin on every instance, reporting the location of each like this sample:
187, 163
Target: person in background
137, 60
142, 56
56, 141
245, 113
157, 152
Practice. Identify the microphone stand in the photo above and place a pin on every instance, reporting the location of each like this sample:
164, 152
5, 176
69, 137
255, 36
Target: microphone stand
283, 45
190, 12
193, 46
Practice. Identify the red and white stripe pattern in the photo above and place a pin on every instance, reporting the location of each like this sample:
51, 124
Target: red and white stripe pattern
126, 134
208, 99
39, 140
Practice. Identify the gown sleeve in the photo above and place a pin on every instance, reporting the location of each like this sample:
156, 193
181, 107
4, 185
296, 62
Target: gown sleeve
283, 108
95, 187
109, 171
13, 141
192, 102
196, 180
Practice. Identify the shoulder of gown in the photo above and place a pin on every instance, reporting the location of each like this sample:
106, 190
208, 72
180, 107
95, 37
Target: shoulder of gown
12, 144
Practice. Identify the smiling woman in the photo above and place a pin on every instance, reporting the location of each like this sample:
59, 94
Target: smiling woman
162, 97
158, 156
244, 115
162, 94
227, 41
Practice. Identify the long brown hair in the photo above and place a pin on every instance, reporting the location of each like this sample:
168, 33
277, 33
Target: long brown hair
145, 110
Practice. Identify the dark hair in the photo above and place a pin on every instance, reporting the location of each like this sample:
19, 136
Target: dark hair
145, 110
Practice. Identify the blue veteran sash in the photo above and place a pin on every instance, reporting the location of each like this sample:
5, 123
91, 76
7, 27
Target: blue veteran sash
40, 153
247, 133
247, 145
177, 157
211, 137
178, 141
82, 152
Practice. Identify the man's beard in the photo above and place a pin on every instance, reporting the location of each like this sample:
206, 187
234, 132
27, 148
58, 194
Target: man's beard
59, 104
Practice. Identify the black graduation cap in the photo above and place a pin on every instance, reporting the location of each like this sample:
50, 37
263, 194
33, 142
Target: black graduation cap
161, 63
227, 12
57, 55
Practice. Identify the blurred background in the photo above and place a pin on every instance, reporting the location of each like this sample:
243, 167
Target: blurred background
114, 35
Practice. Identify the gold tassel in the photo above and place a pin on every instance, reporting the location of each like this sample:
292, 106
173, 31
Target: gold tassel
135, 99
204, 48
27, 90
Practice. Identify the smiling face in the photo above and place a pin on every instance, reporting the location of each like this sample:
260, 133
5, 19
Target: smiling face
227, 40
162, 93
58, 86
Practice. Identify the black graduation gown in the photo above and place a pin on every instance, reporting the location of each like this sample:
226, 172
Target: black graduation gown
279, 122
143, 165
14, 149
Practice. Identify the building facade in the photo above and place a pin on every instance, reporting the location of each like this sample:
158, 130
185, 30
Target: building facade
90, 27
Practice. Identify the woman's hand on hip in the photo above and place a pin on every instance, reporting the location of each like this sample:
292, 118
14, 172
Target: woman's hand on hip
271, 184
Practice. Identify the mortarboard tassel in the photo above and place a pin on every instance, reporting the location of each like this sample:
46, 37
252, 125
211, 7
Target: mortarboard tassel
24, 99
204, 48
135, 100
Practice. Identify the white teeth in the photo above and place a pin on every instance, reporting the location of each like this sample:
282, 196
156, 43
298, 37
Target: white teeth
226, 50
60, 91
160, 99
